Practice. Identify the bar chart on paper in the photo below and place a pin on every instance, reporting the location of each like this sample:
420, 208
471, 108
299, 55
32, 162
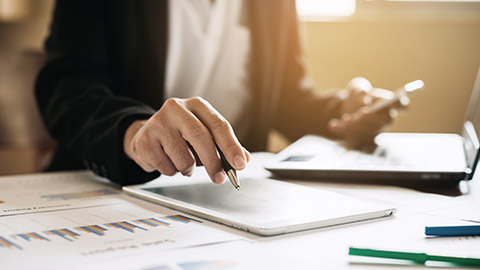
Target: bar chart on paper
20, 241
54, 222
93, 232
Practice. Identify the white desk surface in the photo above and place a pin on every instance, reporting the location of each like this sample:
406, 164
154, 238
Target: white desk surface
325, 248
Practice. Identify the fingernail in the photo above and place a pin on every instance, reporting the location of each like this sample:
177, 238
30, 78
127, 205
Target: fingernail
239, 162
188, 172
247, 154
219, 178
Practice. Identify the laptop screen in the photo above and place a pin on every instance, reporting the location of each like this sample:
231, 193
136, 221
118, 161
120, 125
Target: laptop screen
471, 128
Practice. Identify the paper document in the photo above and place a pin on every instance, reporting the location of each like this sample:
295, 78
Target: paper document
54, 191
232, 256
93, 227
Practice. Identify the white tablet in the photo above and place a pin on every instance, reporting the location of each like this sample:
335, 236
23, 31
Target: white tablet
262, 206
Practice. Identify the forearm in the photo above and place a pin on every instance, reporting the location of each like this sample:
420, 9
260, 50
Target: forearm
308, 112
81, 108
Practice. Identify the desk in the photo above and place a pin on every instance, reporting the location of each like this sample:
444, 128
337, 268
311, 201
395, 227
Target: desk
208, 245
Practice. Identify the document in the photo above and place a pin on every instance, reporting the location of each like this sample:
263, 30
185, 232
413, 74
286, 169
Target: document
55, 191
97, 222
231, 255
469, 211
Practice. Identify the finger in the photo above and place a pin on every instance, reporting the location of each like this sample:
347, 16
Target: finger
160, 161
179, 153
198, 162
195, 132
359, 85
399, 104
379, 93
247, 154
380, 118
221, 131
151, 155
203, 144
145, 166
157, 161
360, 89
362, 126
382, 94
403, 102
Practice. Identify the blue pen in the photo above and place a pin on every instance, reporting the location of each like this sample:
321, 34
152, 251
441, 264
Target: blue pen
465, 230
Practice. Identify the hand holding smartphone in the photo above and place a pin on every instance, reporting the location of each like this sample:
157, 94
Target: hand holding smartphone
399, 93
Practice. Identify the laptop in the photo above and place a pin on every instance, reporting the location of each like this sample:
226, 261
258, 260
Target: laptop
439, 158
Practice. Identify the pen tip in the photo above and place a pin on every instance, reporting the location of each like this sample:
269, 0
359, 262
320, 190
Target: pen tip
232, 175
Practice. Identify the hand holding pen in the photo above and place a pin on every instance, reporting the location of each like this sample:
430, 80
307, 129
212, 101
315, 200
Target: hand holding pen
161, 142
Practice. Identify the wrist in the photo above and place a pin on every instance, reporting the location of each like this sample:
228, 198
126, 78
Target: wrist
132, 129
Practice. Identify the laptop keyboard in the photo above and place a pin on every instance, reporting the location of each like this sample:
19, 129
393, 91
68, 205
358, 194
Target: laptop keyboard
398, 154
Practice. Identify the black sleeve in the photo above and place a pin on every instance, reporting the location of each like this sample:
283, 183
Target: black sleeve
74, 92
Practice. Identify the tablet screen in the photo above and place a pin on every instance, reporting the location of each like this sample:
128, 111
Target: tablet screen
263, 200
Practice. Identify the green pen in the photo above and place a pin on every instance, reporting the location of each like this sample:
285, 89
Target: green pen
412, 256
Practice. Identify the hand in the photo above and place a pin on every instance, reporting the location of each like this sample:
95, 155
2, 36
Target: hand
160, 143
358, 125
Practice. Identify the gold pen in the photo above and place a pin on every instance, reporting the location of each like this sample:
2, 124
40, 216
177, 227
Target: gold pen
231, 173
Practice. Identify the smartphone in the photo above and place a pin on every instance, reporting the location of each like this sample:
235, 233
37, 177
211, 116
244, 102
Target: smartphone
399, 93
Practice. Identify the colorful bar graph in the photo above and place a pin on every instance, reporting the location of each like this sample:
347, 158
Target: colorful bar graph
124, 225
64, 233
183, 219
6, 243
79, 195
98, 230
28, 236
152, 222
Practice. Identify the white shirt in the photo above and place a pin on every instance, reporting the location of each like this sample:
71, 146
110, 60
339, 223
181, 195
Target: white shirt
208, 52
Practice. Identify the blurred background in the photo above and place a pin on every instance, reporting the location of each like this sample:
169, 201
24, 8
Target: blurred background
24, 144
388, 42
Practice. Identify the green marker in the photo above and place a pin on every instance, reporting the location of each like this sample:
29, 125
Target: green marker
412, 256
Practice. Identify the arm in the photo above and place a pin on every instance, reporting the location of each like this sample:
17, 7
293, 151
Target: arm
300, 110
167, 141
343, 114
75, 96
97, 124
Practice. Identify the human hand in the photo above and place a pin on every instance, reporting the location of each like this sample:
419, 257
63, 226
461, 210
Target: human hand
358, 124
161, 142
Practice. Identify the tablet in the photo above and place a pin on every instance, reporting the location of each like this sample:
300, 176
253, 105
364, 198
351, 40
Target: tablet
262, 206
